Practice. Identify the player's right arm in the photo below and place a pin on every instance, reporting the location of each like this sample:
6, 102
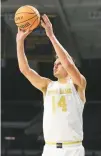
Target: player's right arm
36, 80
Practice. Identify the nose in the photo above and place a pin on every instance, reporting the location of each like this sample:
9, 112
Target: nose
55, 66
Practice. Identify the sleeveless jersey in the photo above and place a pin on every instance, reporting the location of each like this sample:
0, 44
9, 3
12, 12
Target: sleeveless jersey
62, 118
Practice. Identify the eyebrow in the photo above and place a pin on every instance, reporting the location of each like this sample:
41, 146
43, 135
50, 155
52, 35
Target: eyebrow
57, 63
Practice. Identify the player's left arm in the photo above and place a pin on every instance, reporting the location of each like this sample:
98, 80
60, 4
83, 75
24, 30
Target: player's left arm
68, 64
63, 55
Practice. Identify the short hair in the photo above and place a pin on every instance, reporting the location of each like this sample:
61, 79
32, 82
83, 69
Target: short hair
56, 57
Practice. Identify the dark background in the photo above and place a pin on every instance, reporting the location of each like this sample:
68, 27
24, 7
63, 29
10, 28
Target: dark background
21, 103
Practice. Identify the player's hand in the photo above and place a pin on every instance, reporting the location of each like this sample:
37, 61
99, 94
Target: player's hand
21, 35
47, 25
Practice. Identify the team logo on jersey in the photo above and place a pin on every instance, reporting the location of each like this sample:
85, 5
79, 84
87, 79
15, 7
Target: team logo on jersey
66, 91
61, 91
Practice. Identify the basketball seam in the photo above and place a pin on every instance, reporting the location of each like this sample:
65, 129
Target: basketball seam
26, 20
33, 22
25, 12
30, 8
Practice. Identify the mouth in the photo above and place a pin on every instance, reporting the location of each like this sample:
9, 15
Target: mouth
55, 70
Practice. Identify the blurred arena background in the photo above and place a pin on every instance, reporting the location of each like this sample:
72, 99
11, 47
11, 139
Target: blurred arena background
77, 25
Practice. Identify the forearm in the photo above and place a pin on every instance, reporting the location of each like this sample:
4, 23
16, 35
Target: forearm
35, 79
60, 51
22, 60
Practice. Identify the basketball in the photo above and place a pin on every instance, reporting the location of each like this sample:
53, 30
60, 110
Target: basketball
27, 17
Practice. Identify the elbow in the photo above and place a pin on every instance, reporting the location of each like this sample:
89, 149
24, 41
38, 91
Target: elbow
69, 65
84, 82
24, 71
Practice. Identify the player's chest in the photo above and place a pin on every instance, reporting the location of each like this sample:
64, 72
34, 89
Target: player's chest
58, 99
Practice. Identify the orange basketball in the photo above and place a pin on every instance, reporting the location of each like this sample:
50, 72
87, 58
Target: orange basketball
27, 17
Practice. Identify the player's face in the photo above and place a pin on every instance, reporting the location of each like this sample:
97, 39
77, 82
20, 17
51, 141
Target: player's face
58, 70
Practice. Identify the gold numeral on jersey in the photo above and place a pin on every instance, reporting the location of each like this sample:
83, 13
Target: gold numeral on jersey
61, 103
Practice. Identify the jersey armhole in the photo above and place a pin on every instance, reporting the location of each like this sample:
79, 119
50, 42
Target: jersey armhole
44, 94
77, 93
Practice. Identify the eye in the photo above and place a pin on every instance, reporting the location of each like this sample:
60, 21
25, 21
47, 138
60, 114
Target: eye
59, 63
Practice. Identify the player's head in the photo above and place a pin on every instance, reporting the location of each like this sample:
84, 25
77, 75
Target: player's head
58, 70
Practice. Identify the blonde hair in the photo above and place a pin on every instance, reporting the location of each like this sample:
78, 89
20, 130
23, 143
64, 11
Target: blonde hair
56, 57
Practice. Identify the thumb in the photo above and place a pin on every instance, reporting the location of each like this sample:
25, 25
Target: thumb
27, 32
18, 29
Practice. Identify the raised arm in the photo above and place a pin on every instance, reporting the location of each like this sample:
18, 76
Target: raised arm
63, 55
35, 79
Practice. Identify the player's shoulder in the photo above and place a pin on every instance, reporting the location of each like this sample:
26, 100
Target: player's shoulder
51, 83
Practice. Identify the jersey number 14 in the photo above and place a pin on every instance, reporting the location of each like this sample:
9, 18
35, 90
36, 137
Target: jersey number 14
60, 104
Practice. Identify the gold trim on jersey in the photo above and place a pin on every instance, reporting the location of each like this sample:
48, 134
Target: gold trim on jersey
64, 143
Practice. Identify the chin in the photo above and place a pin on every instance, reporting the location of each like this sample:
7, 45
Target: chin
55, 75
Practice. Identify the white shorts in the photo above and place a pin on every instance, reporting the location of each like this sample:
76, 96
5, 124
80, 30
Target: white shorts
74, 150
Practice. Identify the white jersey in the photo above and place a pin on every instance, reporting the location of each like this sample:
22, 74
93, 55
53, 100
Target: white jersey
62, 118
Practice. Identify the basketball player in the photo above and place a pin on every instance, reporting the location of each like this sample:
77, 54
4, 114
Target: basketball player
64, 99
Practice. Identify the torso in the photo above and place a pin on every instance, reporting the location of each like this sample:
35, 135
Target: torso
62, 120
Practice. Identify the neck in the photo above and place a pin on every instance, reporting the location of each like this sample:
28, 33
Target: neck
63, 80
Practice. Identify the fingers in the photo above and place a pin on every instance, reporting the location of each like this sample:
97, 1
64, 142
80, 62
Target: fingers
24, 33
27, 32
45, 22
46, 19
20, 30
